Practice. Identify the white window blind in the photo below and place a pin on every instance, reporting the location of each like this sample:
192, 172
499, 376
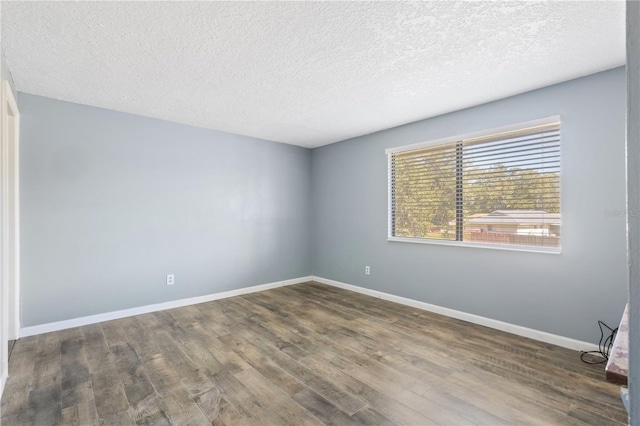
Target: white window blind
497, 189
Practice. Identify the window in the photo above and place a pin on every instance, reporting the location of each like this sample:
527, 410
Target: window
498, 189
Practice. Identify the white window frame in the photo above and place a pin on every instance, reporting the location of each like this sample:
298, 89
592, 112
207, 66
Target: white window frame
555, 119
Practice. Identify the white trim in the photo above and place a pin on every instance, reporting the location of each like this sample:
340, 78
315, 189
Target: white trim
8, 108
3, 379
542, 336
477, 134
9, 104
389, 196
531, 333
108, 316
16, 212
507, 247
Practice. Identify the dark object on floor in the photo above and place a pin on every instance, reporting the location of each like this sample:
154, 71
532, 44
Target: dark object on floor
604, 346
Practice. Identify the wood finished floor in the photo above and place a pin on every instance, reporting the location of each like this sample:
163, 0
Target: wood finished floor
304, 354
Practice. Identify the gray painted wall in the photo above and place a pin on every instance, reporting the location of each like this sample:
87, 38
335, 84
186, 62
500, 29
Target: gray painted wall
633, 194
563, 294
112, 202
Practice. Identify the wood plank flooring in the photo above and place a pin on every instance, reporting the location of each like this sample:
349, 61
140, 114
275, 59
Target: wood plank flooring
304, 354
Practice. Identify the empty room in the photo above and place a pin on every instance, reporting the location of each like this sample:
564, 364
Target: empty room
306, 213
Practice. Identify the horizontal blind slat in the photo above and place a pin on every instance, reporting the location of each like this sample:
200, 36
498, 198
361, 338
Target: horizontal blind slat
516, 172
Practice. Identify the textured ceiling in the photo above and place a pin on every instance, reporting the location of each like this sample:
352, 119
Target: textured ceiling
307, 73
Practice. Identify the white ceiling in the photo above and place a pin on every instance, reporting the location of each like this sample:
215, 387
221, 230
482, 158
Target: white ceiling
308, 73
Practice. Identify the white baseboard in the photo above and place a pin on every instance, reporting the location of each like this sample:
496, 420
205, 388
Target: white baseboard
108, 316
531, 333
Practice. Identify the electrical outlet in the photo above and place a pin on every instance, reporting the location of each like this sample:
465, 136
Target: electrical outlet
170, 279
367, 270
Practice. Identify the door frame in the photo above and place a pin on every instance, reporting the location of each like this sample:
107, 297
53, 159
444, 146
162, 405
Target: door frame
10, 203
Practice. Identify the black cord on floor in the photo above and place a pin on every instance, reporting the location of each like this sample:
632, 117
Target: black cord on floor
604, 346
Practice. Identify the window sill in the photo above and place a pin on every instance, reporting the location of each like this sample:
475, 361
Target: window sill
544, 250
